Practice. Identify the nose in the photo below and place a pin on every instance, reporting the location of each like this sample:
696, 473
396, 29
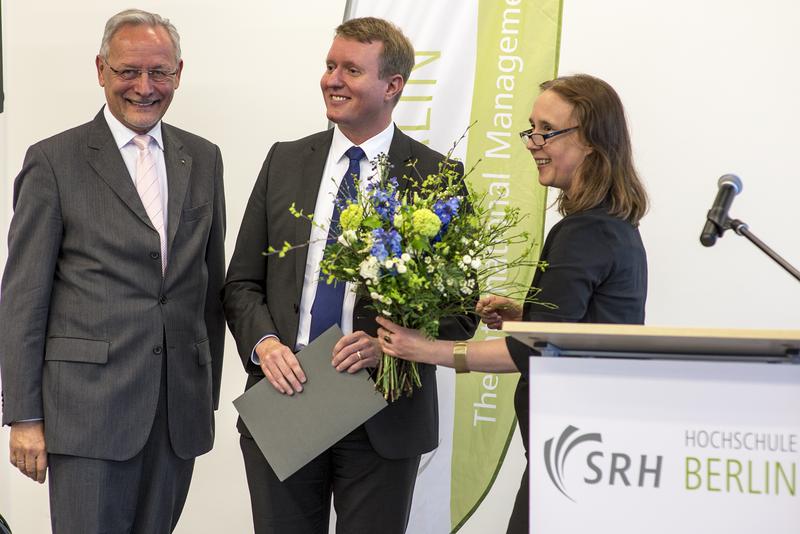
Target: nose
332, 78
143, 85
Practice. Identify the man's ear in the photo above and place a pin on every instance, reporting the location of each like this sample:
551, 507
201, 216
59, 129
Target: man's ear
98, 62
394, 87
178, 74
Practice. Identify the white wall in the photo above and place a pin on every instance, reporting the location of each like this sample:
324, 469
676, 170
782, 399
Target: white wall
710, 87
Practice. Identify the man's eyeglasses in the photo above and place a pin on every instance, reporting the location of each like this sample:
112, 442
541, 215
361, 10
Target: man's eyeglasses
541, 139
154, 75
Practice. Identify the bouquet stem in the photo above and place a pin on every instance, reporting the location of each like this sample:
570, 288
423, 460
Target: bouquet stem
396, 378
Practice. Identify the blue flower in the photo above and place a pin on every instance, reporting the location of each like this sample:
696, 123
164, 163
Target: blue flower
445, 210
385, 200
385, 243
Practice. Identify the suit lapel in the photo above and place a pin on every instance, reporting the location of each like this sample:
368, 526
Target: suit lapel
179, 167
313, 165
400, 155
106, 160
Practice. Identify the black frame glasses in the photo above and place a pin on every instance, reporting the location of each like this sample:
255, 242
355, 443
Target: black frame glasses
154, 75
541, 139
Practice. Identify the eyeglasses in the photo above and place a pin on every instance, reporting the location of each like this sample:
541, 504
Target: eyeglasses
154, 75
541, 139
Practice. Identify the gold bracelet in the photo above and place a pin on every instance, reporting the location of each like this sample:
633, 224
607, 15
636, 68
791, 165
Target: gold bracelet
460, 357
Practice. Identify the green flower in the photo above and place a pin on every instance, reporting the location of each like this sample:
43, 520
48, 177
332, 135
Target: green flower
425, 222
351, 217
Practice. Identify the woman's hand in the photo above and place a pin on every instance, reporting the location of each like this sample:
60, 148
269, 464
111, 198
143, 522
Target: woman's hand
404, 343
494, 309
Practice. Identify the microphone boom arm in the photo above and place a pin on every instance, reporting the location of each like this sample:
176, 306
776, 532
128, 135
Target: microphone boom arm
741, 228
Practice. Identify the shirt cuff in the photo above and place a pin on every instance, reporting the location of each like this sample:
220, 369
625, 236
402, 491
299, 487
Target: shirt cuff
253, 355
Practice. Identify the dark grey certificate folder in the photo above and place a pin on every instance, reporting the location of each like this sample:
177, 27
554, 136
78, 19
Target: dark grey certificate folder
292, 431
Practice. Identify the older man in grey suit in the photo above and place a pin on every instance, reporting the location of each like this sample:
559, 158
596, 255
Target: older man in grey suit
111, 326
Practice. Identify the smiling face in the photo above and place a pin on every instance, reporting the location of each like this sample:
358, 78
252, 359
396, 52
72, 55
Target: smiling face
139, 103
357, 99
560, 158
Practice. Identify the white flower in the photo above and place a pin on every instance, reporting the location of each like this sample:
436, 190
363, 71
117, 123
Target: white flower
476, 263
387, 313
374, 296
388, 264
348, 237
405, 256
401, 268
467, 259
398, 220
369, 269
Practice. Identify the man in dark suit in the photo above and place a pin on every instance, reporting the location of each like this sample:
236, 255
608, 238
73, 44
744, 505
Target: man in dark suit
272, 303
111, 325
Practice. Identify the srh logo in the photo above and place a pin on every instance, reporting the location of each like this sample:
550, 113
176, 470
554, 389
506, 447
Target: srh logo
614, 468
556, 457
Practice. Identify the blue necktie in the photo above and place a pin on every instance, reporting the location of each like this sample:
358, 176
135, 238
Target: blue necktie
329, 298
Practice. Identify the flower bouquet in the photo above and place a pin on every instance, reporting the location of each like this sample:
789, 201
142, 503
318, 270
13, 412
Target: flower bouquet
420, 253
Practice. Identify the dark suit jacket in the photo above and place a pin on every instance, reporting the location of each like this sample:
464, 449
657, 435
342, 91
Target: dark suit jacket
85, 311
597, 273
262, 294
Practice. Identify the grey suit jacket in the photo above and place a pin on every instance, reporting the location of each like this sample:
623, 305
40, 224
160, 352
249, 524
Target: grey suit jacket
85, 312
262, 294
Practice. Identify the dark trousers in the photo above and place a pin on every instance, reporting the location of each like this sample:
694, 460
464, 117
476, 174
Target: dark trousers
370, 494
145, 494
518, 524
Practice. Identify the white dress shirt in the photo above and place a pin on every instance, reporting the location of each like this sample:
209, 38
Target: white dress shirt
123, 137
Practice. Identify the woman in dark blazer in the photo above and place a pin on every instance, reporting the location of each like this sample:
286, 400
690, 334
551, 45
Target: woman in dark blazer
596, 263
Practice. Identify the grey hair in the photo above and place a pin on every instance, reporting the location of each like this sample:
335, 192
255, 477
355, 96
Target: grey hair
138, 17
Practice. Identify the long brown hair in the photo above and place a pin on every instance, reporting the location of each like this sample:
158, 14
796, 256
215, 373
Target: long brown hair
607, 174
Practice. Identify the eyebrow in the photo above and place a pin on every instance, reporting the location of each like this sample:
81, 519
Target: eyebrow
541, 123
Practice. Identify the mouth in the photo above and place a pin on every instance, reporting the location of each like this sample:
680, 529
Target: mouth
339, 98
143, 105
541, 162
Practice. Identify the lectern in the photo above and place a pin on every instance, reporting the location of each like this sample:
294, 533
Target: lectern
662, 430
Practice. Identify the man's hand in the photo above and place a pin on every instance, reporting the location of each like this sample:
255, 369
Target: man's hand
280, 366
494, 309
28, 451
356, 351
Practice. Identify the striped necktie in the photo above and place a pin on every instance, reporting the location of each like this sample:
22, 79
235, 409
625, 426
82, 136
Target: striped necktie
149, 190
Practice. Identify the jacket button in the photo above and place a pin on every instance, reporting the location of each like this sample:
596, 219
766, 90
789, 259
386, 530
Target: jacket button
162, 299
155, 255
157, 349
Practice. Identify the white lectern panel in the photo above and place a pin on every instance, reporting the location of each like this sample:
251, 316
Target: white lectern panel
632, 446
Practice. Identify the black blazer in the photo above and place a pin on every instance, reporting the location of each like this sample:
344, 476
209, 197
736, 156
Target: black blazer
597, 273
262, 294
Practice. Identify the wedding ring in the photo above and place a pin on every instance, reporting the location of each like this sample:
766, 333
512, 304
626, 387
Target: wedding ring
387, 339
358, 353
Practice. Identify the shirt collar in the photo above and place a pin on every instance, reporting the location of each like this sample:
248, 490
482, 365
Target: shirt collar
123, 135
371, 147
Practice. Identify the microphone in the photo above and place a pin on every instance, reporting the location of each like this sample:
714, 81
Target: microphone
729, 185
